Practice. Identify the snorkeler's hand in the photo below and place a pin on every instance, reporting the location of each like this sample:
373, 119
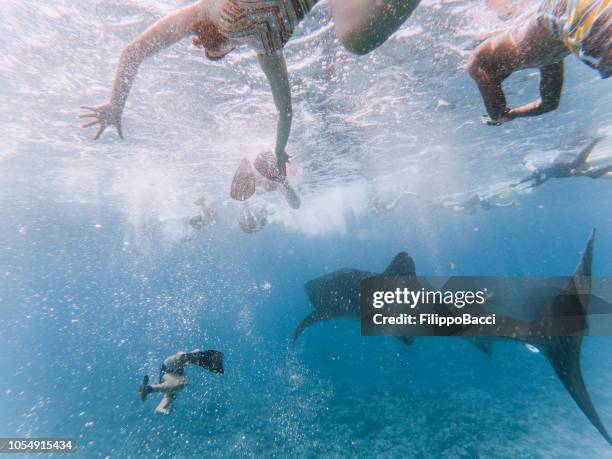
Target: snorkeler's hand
507, 116
494, 122
281, 162
105, 115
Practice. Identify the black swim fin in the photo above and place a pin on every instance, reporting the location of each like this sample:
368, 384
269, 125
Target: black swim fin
211, 360
145, 389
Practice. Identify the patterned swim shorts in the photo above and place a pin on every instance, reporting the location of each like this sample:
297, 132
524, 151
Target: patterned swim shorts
582, 25
266, 25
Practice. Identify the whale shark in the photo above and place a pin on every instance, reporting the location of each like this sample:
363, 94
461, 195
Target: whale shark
338, 295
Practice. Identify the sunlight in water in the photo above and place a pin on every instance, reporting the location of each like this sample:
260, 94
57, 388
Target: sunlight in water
403, 119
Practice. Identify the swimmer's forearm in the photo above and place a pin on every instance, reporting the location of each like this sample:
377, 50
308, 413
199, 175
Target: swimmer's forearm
127, 68
160, 35
494, 99
551, 85
534, 108
490, 89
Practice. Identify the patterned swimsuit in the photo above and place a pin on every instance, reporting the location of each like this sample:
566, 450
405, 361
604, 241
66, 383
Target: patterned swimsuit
582, 25
266, 25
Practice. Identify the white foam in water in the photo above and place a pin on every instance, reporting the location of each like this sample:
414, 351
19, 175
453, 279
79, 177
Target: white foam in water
327, 212
405, 117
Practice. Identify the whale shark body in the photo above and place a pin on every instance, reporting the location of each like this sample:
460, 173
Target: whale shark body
338, 295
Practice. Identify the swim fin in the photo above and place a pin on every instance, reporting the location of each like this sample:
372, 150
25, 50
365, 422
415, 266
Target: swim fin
211, 360
266, 165
145, 389
253, 218
243, 183
290, 195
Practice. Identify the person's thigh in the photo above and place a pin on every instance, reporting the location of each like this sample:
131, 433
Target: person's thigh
364, 25
172, 382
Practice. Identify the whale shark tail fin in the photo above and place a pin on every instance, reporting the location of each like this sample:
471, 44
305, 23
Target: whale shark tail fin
304, 324
401, 265
571, 306
563, 352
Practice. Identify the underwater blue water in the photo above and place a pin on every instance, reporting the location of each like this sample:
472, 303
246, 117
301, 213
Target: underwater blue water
84, 316
100, 280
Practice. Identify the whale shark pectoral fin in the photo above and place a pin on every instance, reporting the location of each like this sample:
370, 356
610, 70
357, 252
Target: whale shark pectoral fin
482, 344
407, 340
304, 324
563, 352
402, 265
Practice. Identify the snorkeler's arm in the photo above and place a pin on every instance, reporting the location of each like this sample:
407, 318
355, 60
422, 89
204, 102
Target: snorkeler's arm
275, 68
489, 68
551, 85
160, 35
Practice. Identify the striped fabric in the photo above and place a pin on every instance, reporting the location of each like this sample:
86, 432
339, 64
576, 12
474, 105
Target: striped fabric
266, 25
580, 24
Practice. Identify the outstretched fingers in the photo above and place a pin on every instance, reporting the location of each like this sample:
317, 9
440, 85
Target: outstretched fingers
90, 107
90, 123
100, 131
